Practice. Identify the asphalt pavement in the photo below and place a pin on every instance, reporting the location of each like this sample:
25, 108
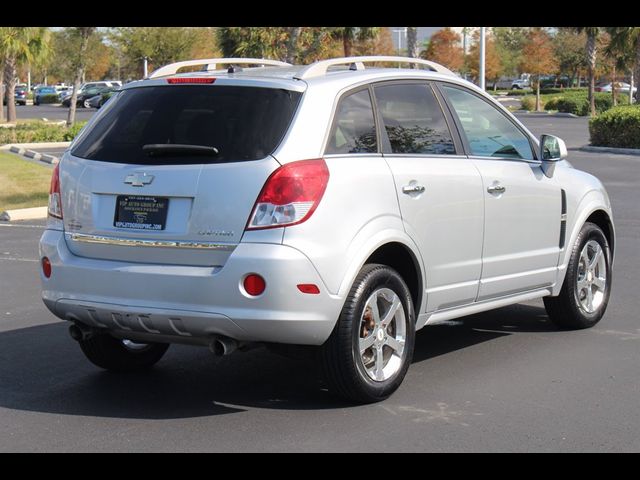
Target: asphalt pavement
505, 381
51, 112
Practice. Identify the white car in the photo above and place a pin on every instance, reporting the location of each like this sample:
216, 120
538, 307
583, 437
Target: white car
620, 87
330, 206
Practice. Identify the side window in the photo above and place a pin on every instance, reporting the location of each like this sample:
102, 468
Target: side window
354, 128
414, 120
488, 131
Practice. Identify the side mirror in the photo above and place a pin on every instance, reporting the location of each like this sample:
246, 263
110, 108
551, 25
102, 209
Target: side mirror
552, 150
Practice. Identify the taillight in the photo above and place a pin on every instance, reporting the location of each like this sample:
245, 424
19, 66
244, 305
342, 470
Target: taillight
55, 198
290, 195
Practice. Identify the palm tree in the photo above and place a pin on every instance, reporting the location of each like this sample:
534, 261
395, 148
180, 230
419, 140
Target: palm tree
624, 39
592, 52
82, 34
350, 34
413, 49
19, 45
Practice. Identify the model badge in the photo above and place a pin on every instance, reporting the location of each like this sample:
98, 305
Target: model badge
218, 233
138, 179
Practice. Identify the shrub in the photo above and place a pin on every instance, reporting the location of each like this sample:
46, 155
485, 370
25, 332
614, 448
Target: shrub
617, 127
49, 98
556, 91
39, 132
529, 102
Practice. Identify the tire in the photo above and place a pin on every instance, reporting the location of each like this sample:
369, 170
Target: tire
117, 355
572, 309
86, 104
347, 372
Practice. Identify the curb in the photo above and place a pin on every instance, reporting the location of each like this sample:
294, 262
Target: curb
36, 145
33, 213
620, 151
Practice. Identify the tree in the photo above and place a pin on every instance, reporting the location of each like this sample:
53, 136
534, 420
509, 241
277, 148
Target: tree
444, 48
382, 44
627, 39
591, 48
509, 43
161, 45
83, 35
350, 35
256, 42
413, 49
568, 47
492, 64
19, 45
538, 58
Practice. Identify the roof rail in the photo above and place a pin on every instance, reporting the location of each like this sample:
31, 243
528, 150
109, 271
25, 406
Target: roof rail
211, 64
357, 63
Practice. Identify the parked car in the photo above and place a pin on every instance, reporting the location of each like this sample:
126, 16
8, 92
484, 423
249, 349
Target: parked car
621, 87
100, 99
20, 95
520, 84
41, 92
84, 95
331, 207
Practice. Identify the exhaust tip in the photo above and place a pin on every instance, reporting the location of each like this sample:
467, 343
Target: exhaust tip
75, 333
221, 346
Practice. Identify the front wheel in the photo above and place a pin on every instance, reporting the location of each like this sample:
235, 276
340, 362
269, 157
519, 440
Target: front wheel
587, 285
118, 355
371, 347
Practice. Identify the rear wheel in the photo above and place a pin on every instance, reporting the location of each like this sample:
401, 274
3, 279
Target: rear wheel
369, 352
118, 355
587, 286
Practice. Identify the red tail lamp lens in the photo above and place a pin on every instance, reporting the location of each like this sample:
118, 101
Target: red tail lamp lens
309, 288
46, 267
254, 284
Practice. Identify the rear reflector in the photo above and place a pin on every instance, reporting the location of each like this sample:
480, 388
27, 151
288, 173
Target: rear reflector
254, 284
190, 80
46, 267
309, 288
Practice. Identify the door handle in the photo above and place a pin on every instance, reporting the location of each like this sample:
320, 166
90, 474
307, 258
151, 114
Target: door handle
409, 189
496, 189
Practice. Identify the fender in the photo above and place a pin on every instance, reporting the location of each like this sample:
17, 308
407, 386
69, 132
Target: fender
591, 202
367, 241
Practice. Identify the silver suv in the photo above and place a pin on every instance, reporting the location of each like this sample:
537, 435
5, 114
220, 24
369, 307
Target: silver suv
330, 206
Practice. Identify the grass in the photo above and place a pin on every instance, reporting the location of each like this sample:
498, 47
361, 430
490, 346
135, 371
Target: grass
22, 184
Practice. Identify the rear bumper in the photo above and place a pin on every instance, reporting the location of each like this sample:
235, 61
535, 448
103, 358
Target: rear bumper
186, 304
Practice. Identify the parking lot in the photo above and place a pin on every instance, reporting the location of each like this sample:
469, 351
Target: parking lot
505, 380
51, 112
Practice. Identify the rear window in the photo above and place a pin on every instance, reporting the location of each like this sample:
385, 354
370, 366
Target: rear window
241, 123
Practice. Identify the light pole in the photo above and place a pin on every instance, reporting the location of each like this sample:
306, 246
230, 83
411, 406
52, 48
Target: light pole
399, 31
146, 73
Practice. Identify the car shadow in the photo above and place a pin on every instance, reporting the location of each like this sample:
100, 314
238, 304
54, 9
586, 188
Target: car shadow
43, 370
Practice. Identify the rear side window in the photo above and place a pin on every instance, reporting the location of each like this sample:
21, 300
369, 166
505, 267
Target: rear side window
241, 123
354, 127
414, 120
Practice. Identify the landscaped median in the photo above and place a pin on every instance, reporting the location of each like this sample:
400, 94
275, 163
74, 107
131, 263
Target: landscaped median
38, 131
618, 127
23, 184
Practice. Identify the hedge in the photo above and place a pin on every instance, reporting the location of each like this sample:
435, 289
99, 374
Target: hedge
49, 98
39, 132
617, 127
574, 101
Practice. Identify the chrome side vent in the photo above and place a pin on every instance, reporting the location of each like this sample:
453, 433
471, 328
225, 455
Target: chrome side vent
563, 218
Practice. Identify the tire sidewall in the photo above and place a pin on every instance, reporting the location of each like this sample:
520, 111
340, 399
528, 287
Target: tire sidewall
384, 277
589, 232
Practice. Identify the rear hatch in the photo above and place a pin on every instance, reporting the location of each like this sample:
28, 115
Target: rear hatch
169, 173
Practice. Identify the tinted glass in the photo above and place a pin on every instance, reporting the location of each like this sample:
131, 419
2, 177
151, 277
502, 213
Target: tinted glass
413, 120
489, 132
354, 128
242, 123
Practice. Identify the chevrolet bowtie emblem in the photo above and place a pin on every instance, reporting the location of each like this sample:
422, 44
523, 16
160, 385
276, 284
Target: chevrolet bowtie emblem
138, 179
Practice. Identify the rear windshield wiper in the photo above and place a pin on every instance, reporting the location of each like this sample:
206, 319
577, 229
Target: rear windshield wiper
159, 149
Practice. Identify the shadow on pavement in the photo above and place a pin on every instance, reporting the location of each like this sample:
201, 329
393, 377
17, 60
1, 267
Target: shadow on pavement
43, 370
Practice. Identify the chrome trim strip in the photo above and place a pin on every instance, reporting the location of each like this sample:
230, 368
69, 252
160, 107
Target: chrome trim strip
133, 242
